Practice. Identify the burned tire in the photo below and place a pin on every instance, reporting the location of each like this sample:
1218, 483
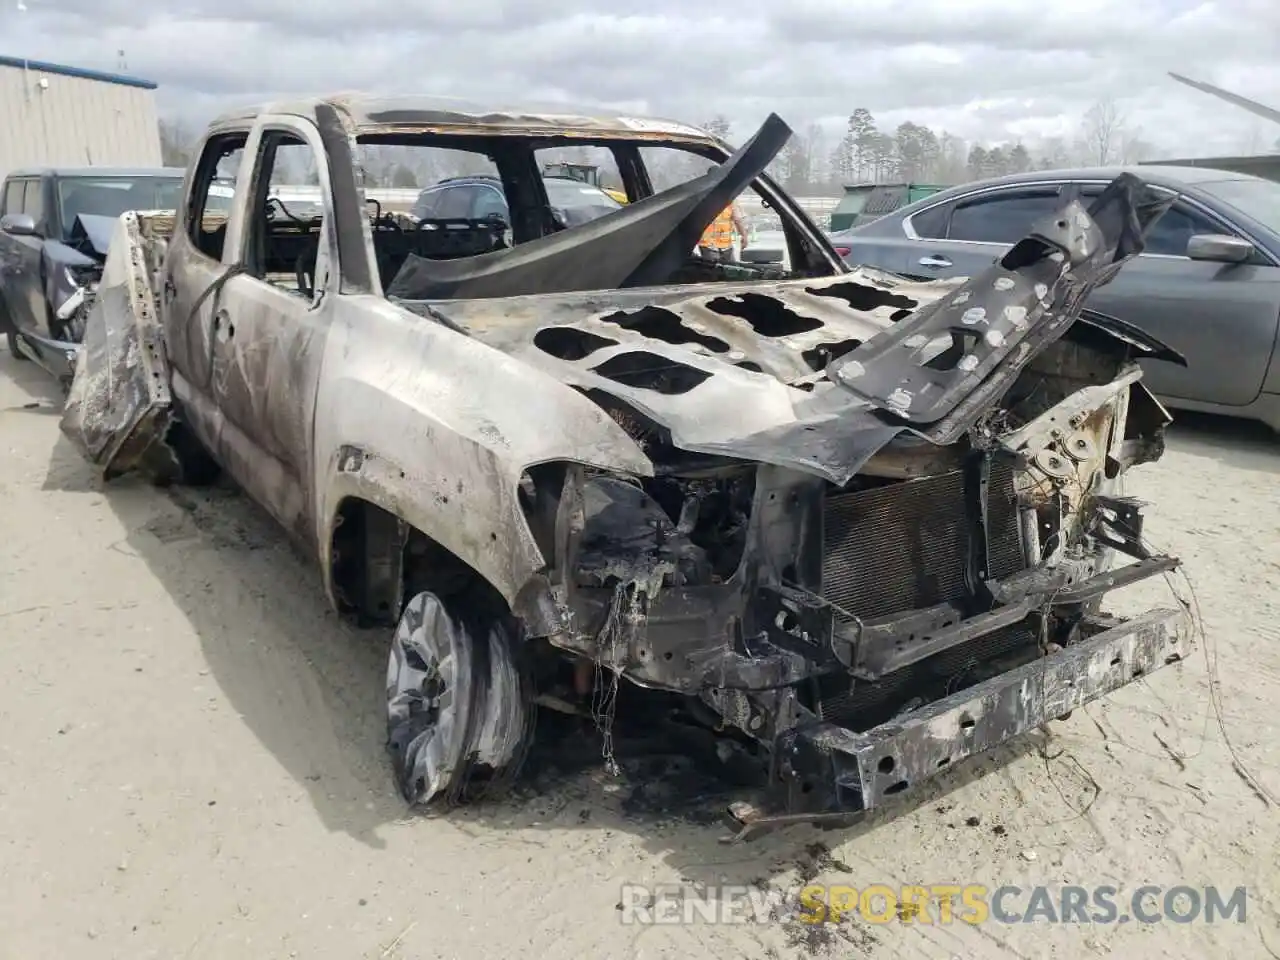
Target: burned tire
14, 350
459, 704
179, 459
196, 468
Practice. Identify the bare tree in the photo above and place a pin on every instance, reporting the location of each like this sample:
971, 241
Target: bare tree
953, 158
176, 142
1102, 131
1133, 147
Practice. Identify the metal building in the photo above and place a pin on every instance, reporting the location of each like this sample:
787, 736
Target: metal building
51, 115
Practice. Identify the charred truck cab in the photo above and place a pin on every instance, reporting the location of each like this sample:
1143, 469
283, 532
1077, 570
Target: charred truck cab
862, 524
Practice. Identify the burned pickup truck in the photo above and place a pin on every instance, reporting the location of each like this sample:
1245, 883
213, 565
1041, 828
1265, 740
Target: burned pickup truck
859, 524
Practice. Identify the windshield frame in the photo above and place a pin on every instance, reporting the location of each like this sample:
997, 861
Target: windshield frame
65, 184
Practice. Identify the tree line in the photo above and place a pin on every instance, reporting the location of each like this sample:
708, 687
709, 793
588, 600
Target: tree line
810, 164
915, 153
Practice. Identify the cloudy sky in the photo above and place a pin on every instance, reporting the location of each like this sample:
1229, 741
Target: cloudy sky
995, 70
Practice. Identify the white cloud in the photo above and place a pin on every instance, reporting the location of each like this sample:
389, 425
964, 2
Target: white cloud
987, 70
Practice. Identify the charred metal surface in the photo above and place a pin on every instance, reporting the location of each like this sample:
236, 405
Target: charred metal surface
833, 509
119, 405
853, 772
826, 423
925, 366
639, 245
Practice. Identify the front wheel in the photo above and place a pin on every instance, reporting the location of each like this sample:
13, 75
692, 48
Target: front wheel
459, 706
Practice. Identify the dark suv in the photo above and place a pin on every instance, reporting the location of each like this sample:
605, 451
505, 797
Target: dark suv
55, 226
480, 198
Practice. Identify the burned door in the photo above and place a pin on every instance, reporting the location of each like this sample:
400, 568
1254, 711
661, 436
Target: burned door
199, 261
270, 322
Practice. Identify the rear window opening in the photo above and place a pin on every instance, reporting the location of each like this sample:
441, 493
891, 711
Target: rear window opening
481, 197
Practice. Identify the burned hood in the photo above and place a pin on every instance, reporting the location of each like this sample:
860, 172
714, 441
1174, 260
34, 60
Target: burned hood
818, 375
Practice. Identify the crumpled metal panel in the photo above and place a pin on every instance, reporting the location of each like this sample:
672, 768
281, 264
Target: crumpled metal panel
119, 405
738, 360
922, 369
912, 748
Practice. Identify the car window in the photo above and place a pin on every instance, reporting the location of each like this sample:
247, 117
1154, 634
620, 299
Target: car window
1169, 234
590, 166
1005, 217
212, 192
426, 204
285, 242
578, 203
33, 201
488, 202
12, 200
453, 202
112, 196
932, 223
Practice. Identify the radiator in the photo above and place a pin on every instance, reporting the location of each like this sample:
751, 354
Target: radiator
905, 546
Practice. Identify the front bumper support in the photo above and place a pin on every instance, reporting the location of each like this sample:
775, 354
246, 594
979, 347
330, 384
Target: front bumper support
838, 771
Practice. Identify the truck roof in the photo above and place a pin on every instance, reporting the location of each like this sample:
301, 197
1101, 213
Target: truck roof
70, 173
367, 114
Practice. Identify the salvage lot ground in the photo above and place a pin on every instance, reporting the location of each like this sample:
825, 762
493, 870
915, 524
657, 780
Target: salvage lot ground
191, 758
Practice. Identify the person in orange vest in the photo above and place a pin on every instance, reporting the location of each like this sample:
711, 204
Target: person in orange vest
717, 240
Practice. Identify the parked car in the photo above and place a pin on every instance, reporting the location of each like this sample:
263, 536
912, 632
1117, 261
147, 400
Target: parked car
1207, 284
583, 173
767, 242
592, 454
55, 225
480, 197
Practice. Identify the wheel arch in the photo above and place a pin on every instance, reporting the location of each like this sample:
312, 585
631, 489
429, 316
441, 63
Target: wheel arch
388, 533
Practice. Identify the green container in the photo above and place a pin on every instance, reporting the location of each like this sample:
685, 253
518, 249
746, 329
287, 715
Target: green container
864, 202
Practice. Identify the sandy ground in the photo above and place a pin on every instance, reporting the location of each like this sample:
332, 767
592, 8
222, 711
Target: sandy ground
191, 759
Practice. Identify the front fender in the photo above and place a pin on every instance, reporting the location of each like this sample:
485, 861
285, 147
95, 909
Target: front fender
437, 428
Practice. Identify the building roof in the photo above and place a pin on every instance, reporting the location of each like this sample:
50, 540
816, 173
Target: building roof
43, 67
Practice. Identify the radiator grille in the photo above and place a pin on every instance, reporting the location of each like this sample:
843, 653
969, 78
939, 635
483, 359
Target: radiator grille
905, 546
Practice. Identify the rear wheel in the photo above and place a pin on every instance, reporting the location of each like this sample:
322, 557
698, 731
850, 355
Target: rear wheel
459, 704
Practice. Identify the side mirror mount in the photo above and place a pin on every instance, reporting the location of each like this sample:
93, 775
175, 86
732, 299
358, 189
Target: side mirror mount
18, 225
1219, 248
